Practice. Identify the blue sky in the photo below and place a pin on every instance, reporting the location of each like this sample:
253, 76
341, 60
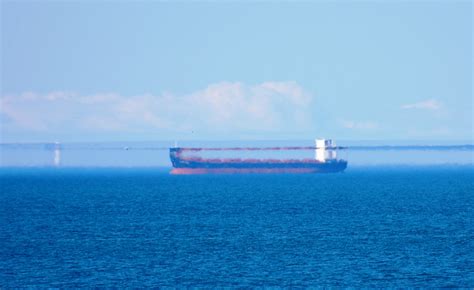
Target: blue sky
103, 71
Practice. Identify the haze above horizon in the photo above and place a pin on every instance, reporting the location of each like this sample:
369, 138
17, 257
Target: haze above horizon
94, 72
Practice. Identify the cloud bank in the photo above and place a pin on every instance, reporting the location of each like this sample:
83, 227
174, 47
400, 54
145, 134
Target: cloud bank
217, 109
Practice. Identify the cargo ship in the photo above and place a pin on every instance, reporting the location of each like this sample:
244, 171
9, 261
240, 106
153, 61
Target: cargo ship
325, 161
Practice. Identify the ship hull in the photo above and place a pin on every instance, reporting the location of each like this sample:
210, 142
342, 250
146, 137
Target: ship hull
246, 166
186, 171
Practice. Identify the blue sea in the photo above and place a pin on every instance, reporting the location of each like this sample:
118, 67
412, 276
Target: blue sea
372, 226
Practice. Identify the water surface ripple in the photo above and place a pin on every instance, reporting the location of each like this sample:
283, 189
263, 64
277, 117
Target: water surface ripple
374, 227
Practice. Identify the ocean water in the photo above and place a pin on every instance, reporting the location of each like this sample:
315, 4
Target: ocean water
368, 227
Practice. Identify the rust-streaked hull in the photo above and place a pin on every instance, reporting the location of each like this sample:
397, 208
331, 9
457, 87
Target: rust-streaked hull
184, 171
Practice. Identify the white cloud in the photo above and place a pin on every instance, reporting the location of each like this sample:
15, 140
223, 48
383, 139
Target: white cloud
430, 104
220, 107
289, 89
359, 125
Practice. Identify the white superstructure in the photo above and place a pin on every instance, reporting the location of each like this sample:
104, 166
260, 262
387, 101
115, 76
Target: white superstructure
325, 150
